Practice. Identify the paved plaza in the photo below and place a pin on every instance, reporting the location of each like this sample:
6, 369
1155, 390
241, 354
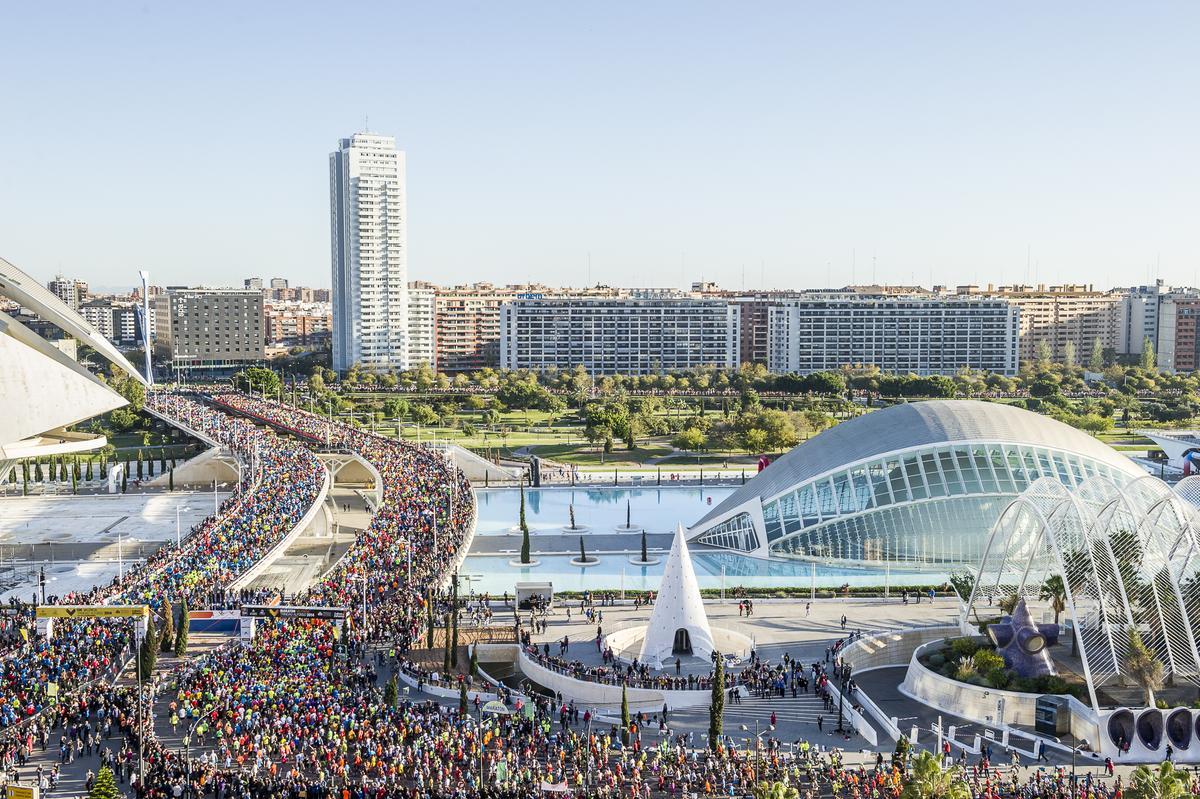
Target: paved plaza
86, 540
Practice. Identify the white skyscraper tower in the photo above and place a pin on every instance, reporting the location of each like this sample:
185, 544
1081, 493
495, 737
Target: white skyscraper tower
369, 241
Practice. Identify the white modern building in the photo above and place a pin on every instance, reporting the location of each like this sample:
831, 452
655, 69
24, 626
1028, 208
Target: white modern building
618, 335
422, 315
369, 248
900, 334
43, 391
72, 292
916, 485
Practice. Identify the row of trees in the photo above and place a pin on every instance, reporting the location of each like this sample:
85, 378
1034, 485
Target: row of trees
171, 637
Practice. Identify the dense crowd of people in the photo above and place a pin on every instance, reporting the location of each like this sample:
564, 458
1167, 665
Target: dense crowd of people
281, 484
309, 709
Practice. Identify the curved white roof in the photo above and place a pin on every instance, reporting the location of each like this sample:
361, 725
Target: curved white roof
916, 424
18, 286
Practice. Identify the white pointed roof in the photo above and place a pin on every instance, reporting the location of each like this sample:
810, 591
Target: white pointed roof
678, 606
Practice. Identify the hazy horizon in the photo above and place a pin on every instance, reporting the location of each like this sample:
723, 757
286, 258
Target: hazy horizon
778, 145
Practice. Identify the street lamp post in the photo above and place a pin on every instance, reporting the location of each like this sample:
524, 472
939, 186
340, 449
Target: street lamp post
757, 741
178, 509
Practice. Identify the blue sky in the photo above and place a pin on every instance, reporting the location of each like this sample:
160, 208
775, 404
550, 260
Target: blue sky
793, 143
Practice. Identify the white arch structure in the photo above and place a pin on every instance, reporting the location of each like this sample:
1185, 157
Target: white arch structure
1128, 556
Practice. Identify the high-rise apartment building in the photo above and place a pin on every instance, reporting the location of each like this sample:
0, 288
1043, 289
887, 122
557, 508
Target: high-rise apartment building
1059, 315
619, 335
209, 328
422, 336
296, 324
99, 314
255, 283
72, 292
926, 335
279, 283
368, 221
1137, 318
467, 323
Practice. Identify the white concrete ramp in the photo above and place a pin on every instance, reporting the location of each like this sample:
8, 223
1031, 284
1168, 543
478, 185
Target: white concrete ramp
477, 469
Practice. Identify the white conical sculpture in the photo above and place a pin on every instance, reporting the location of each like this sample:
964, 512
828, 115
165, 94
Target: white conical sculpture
678, 620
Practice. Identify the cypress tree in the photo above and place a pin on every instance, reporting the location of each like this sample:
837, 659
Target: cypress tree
624, 716
168, 631
89, 469
74, 484
140, 467
429, 623
104, 468
454, 616
37, 471
62, 469
582, 554
391, 692
124, 480
475, 660
716, 709
524, 529
181, 632
171, 480
162, 460
446, 648
148, 655
462, 698
75, 472
644, 558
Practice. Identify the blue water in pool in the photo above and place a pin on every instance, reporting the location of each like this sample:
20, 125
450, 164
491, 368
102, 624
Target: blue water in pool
547, 510
656, 509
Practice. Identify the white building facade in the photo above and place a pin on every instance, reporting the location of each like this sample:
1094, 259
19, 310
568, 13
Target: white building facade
618, 335
899, 334
369, 244
422, 315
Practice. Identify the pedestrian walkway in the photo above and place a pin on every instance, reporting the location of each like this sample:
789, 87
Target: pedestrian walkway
804, 709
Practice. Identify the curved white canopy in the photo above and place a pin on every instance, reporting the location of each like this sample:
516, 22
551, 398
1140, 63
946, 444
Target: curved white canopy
20, 287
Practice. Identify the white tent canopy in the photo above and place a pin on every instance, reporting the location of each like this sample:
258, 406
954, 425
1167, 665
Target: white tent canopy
678, 622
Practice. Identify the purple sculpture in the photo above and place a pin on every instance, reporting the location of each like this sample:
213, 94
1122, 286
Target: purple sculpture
1023, 643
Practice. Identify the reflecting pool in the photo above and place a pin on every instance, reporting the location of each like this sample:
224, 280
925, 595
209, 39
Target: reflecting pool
492, 573
547, 510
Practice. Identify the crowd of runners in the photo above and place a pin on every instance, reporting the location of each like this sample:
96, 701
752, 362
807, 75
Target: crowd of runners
310, 710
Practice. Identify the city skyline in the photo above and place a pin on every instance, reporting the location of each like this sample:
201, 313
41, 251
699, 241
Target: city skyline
797, 146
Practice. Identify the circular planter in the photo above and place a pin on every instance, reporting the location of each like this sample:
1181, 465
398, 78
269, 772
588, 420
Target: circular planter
579, 528
585, 563
632, 528
640, 562
517, 562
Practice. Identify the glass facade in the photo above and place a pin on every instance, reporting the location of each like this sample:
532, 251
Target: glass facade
926, 506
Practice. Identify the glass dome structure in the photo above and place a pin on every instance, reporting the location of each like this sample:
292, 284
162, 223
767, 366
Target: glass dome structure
917, 484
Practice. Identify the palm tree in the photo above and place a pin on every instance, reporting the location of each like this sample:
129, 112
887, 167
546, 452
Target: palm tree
1054, 590
1165, 782
930, 781
1143, 667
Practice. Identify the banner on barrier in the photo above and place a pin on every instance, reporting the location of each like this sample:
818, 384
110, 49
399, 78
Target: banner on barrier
91, 611
292, 612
